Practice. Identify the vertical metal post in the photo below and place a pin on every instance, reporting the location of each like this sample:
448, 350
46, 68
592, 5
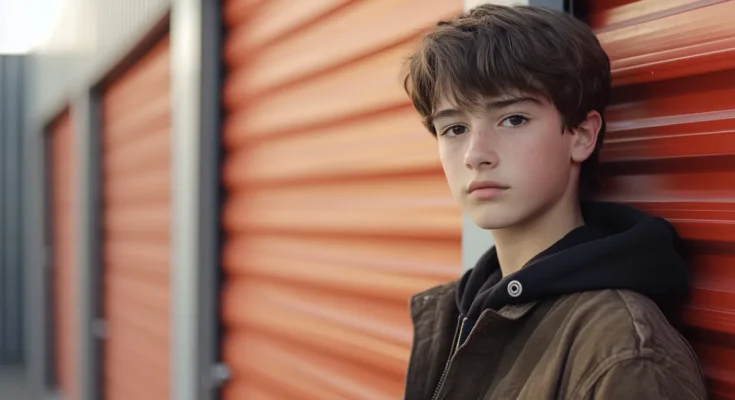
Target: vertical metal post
85, 120
195, 41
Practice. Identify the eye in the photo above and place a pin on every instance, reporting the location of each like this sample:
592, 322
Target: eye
454, 130
514, 121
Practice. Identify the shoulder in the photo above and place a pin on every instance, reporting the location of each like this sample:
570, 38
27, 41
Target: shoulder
619, 331
622, 322
440, 296
643, 378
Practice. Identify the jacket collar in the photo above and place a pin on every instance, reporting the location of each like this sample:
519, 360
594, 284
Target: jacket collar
434, 313
441, 299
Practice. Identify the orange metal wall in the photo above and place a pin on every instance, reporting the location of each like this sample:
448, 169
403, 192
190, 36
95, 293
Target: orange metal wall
136, 188
63, 242
337, 209
671, 147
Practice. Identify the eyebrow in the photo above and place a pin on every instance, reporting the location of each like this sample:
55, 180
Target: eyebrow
500, 104
495, 105
446, 113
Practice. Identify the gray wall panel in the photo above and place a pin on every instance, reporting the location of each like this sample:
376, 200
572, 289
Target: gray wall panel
35, 261
553, 4
11, 269
89, 340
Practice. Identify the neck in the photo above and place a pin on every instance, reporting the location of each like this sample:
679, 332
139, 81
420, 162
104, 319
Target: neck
518, 244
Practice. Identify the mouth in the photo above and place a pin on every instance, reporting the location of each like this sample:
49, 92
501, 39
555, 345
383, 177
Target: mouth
484, 190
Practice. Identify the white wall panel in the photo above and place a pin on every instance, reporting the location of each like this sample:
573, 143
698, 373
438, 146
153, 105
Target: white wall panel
89, 37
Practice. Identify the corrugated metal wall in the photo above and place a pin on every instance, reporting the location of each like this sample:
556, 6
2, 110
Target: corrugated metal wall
671, 147
337, 209
136, 142
63, 243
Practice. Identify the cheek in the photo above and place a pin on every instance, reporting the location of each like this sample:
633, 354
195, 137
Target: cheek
542, 164
454, 170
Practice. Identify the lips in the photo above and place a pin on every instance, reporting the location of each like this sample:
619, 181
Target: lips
481, 185
485, 190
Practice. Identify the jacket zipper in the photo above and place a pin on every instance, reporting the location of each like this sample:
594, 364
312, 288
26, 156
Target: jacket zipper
449, 361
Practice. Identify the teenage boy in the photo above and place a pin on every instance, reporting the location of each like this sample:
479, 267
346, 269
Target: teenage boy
568, 303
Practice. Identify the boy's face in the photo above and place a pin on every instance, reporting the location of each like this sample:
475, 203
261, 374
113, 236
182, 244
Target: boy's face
510, 161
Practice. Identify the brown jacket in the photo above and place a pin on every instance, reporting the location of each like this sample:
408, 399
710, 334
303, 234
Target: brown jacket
608, 344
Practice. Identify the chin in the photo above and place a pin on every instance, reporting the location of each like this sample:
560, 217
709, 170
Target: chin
493, 216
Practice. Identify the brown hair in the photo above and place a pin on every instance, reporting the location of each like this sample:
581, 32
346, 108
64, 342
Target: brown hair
493, 50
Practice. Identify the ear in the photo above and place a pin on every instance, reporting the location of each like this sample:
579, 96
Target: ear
584, 137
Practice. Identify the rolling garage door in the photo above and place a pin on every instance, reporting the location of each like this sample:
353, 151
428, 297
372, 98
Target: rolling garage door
63, 241
671, 147
136, 226
336, 208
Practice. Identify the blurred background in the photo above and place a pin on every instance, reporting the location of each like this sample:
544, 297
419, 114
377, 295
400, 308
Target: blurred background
204, 199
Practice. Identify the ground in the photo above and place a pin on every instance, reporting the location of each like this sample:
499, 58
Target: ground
13, 384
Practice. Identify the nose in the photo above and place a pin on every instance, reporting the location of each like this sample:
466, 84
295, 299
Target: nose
481, 151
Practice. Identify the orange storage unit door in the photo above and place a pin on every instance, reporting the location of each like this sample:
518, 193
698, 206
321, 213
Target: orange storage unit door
63, 242
337, 209
136, 204
670, 147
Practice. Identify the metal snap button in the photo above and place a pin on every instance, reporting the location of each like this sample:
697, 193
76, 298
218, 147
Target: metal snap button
515, 288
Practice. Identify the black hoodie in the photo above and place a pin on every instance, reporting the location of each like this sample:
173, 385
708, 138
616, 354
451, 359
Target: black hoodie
618, 248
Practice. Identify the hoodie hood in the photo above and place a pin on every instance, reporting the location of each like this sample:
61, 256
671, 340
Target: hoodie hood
618, 248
